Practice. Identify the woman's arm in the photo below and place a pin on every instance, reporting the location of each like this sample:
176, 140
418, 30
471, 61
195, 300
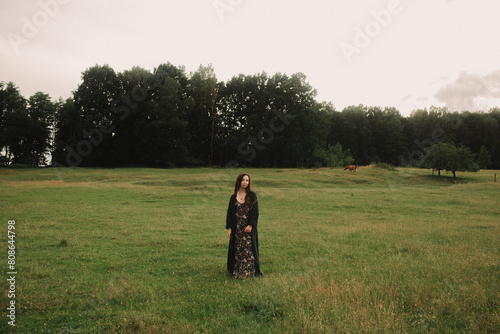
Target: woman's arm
254, 215
229, 213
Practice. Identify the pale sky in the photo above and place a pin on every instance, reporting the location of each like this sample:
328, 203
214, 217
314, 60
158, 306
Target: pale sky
406, 54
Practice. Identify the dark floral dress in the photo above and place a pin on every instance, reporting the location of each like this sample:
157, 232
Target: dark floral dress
244, 260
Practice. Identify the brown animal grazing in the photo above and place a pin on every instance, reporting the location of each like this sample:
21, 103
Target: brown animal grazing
352, 168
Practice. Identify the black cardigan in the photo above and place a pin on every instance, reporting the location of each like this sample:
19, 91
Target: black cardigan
253, 219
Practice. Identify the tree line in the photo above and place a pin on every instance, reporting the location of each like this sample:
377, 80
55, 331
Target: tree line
168, 118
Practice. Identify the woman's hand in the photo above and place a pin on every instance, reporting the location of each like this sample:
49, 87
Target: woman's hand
229, 233
248, 229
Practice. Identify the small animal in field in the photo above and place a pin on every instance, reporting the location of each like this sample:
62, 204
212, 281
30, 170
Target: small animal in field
352, 168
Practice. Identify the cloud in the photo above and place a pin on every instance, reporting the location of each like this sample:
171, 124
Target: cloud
471, 92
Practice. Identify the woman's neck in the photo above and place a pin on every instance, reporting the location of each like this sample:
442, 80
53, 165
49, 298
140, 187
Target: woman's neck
242, 193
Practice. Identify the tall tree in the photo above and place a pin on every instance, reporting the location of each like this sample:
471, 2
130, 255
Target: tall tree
353, 132
94, 99
272, 121
242, 106
388, 136
202, 119
14, 124
483, 158
67, 121
135, 101
308, 125
41, 111
168, 143
166, 119
421, 128
494, 150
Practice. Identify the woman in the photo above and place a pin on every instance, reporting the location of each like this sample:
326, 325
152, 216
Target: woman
241, 225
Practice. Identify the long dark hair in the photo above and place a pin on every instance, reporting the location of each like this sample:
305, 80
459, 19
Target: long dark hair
237, 185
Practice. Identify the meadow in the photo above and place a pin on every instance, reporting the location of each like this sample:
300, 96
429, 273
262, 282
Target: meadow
144, 251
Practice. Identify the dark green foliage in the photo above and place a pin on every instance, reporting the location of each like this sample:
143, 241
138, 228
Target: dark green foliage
483, 158
446, 156
41, 112
201, 115
25, 126
166, 118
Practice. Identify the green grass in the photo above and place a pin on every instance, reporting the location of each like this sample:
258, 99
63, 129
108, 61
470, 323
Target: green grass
144, 251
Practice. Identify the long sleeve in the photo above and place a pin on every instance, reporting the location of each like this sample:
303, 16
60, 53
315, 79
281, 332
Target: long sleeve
229, 215
254, 215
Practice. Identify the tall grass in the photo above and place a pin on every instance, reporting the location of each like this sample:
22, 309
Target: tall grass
144, 251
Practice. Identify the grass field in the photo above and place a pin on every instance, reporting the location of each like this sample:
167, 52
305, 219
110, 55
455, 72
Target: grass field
144, 251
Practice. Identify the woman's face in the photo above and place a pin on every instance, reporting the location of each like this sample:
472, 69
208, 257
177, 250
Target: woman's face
245, 181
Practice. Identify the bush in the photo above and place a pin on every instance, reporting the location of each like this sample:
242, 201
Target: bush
384, 165
336, 157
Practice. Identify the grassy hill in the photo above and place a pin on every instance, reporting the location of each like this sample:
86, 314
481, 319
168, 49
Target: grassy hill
144, 250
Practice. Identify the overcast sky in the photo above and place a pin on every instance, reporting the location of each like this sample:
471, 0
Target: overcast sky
404, 54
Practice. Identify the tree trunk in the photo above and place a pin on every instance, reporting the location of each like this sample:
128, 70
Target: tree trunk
211, 160
213, 97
